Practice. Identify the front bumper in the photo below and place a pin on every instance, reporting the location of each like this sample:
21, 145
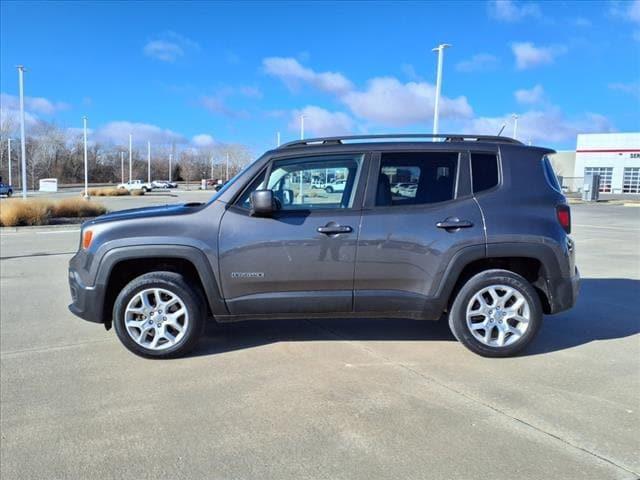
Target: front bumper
85, 301
564, 292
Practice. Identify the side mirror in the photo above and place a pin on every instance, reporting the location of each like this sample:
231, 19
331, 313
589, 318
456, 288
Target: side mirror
263, 203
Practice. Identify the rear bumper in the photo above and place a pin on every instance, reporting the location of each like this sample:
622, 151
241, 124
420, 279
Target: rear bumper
564, 292
85, 302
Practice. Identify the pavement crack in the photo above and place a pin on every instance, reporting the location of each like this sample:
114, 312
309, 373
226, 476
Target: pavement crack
473, 399
15, 353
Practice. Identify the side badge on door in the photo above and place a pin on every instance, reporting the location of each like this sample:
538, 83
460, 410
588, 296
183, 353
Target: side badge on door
247, 274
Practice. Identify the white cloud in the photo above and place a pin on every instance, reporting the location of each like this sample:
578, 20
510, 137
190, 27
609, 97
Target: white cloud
203, 140
627, 11
529, 56
169, 46
320, 122
531, 96
510, 11
387, 101
163, 50
250, 92
479, 62
216, 104
581, 22
36, 105
631, 88
292, 73
118, 133
545, 126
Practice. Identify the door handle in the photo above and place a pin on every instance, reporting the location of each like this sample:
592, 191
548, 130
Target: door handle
450, 224
335, 229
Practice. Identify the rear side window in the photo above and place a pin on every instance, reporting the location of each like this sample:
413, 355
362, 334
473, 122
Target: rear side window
416, 178
484, 171
550, 175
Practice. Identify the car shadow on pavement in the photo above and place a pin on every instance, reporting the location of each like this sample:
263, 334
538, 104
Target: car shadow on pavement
604, 311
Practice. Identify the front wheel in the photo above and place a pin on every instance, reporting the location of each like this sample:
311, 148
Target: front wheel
9, 193
158, 315
497, 313
329, 189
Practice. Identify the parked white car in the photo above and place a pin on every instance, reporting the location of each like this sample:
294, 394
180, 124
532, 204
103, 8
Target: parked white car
163, 184
136, 185
334, 187
408, 190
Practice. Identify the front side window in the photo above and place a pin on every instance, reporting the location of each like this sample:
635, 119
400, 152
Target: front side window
310, 183
415, 178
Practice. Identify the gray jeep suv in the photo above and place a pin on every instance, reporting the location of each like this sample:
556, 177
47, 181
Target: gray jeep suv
478, 232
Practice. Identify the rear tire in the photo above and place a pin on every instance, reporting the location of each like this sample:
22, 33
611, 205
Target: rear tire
497, 313
329, 189
158, 315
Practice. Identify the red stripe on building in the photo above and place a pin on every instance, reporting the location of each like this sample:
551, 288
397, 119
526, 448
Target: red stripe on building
610, 151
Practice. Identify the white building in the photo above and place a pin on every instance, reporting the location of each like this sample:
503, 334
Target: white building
614, 156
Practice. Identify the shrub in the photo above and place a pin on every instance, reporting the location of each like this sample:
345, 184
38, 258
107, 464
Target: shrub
106, 192
76, 207
19, 212
137, 193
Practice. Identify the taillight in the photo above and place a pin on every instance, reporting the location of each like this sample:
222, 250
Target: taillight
563, 212
87, 236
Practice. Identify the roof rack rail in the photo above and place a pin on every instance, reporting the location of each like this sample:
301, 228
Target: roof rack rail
446, 137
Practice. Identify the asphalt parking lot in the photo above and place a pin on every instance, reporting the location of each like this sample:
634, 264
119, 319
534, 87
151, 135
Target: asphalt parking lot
322, 399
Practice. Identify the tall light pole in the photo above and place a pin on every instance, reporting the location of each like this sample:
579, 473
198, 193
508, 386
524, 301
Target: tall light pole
211, 161
23, 148
301, 127
436, 106
170, 158
122, 166
515, 125
278, 139
130, 154
148, 161
86, 171
227, 175
9, 153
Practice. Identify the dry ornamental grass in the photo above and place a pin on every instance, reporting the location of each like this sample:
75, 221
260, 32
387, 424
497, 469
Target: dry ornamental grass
19, 212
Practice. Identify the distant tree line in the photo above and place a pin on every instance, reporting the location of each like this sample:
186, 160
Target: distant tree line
55, 152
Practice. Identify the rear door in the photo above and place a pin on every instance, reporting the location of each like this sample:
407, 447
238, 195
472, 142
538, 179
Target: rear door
300, 260
408, 237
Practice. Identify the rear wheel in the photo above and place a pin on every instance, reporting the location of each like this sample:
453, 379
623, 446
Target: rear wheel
9, 193
158, 315
496, 314
329, 189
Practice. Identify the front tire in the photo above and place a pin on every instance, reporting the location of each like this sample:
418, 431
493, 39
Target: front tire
497, 313
329, 189
157, 315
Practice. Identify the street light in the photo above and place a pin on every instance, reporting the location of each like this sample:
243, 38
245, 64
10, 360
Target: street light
170, 158
278, 139
440, 49
148, 161
130, 154
9, 152
86, 172
301, 127
22, 139
515, 126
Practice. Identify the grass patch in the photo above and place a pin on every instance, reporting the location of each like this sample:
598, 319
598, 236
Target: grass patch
19, 212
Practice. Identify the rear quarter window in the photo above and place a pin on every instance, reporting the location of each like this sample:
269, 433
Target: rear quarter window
484, 171
550, 175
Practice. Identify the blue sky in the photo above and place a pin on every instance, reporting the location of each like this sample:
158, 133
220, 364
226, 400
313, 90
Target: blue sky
240, 72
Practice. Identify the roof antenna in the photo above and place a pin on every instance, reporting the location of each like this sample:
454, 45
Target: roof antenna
502, 129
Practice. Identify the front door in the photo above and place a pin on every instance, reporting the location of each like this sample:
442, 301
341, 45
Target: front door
418, 215
301, 259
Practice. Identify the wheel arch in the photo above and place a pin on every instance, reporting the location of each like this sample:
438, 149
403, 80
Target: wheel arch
120, 265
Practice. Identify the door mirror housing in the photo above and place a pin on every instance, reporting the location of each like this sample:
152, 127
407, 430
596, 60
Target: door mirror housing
263, 203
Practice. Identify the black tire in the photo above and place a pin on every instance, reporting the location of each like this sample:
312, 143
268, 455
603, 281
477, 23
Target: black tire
329, 189
9, 193
458, 313
175, 283
145, 189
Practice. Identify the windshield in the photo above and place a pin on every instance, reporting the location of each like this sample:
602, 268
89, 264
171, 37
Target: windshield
232, 180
